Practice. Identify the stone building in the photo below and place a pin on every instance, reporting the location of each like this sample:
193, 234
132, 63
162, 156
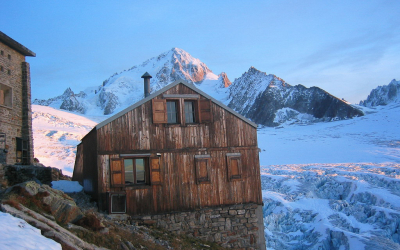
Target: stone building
16, 143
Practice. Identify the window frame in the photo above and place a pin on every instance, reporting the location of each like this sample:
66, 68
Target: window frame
134, 171
234, 174
190, 114
177, 111
199, 160
22, 151
6, 96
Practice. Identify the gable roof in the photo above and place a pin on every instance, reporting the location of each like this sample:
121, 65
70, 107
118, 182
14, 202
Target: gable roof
15, 45
189, 85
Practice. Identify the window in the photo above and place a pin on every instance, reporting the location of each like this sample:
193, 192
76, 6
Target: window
9, 72
172, 112
189, 112
181, 109
202, 163
22, 151
5, 95
9, 57
1, 68
135, 171
2, 53
234, 165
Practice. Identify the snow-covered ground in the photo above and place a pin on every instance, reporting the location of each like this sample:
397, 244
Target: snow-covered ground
17, 234
333, 185
56, 134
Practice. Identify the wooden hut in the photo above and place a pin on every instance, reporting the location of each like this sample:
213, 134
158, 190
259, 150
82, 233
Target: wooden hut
177, 150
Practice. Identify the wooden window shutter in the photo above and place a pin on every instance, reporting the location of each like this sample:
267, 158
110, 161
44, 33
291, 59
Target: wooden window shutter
117, 173
205, 111
202, 163
234, 164
155, 171
159, 110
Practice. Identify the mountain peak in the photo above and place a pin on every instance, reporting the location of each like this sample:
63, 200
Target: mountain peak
383, 95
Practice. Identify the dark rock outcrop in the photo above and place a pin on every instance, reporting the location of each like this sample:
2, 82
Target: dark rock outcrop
383, 95
259, 97
15, 174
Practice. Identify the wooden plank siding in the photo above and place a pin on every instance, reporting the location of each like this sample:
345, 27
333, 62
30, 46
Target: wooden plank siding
78, 167
90, 174
135, 133
179, 190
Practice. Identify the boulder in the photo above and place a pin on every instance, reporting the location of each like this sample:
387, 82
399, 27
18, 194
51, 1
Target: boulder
56, 202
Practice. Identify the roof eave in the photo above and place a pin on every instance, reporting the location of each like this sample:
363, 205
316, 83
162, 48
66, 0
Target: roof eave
16, 45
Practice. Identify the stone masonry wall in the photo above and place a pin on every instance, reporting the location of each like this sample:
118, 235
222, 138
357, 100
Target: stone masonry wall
11, 117
236, 226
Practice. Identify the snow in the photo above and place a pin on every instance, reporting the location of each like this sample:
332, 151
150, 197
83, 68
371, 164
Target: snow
67, 186
16, 234
56, 134
333, 185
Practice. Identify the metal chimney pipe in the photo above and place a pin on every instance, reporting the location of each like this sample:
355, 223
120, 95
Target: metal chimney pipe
146, 76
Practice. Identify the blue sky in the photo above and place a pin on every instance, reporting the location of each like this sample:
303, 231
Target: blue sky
345, 47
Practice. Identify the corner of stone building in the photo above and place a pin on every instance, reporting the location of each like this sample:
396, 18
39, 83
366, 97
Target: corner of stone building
27, 133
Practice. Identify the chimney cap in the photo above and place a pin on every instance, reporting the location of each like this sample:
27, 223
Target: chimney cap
146, 75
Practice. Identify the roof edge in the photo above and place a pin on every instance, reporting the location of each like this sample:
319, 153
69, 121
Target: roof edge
16, 45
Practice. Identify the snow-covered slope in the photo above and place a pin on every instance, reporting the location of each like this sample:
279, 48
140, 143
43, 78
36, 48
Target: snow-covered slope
126, 88
383, 95
56, 134
269, 100
333, 185
17, 234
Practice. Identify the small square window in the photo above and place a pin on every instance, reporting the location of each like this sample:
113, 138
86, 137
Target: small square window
9, 57
2, 53
1, 68
9, 72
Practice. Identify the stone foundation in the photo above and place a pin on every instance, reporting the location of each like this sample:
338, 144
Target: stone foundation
236, 226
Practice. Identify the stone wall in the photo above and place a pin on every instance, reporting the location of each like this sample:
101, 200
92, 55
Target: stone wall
13, 71
236, 226
14, 174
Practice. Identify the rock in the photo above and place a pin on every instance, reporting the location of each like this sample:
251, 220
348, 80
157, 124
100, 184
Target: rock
60, 205
39, 173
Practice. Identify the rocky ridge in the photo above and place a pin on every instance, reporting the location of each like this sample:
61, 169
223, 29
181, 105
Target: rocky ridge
383, 95
269, 100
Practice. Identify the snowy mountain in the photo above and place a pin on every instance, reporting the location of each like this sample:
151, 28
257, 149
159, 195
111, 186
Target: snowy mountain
265, 99
269, 100
126, 88
383, 95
